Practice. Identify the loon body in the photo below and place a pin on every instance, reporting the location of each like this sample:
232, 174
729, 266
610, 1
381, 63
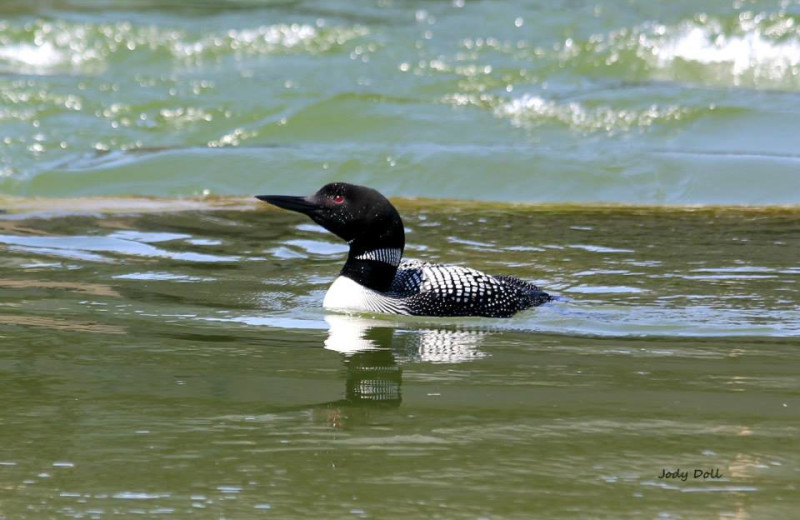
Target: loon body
375, 280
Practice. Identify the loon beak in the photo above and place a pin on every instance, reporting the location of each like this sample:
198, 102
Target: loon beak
299, 204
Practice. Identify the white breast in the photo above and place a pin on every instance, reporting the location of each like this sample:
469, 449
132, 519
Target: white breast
348, 295
344, 294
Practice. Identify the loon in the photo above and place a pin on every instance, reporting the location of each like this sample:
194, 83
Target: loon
374, 280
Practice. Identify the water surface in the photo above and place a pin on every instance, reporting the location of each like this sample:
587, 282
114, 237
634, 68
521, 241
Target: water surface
169, 358
179, 365
568, 101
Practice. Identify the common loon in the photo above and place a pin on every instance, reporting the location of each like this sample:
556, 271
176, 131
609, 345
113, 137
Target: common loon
374, 280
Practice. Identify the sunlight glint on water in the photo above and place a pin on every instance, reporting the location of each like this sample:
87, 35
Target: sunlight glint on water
159, 363
616, 102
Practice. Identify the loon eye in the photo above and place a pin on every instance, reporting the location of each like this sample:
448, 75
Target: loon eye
338, 199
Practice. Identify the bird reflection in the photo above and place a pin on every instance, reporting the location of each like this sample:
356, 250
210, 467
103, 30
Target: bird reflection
373, 377
351, 335
372, 352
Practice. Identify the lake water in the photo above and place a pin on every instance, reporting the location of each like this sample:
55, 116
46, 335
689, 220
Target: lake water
179, 365
615, 101
168, 357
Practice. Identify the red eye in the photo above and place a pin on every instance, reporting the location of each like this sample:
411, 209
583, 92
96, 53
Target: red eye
338, 199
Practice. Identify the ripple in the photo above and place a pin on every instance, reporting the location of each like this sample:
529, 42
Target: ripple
87, 247
720, 489
599, 249
163, 276
601, 289
533, 109
316, 247
136, 495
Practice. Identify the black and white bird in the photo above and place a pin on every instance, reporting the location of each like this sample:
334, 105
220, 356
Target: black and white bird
374, 280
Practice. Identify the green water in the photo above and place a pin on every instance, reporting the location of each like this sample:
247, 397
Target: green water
179, 365
169, 357
618, 101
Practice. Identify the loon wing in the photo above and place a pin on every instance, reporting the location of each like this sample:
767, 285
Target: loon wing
449, 290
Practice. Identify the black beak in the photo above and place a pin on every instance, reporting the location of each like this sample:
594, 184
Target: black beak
299, 204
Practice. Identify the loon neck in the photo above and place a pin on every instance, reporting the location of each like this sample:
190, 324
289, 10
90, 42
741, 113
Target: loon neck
376, 246
372, 268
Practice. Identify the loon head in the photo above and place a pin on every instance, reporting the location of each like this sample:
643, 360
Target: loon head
363, 218
358, 215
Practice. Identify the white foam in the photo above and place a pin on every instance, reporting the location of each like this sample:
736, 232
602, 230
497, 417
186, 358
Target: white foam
42, 56
745, 53
530, 108
267, 39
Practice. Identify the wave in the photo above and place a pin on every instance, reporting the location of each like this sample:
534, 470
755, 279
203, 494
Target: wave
47, 47
749, 49
531, 109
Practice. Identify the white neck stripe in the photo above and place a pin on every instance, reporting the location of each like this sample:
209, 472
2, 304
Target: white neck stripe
388, 255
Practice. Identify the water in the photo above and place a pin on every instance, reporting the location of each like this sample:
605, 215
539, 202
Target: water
167, 356
178, 364
611, 101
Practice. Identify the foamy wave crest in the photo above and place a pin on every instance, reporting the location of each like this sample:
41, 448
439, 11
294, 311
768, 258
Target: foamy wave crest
750, 54
530, 110
759, 50
46, 47
45, 55
269, 39
31, 56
